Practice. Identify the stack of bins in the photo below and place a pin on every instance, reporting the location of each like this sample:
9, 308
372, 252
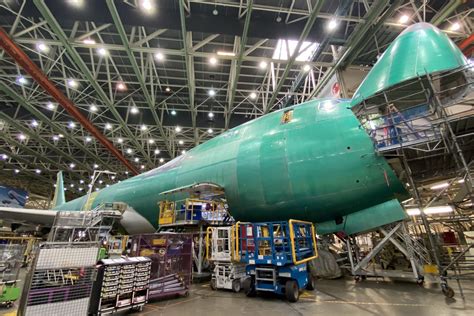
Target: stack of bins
171, 255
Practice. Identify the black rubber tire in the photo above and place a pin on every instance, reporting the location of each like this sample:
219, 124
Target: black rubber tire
311, 286
292, 292
236, 285
249, 287
213, 284
448, 292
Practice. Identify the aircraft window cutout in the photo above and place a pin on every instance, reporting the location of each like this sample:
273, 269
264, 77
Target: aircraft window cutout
287, 117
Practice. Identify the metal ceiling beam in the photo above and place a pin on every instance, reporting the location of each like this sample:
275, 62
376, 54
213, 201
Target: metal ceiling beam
446, 11
189, 61
26, 162
235, 72
151, 104
40, 116
29, 66
307, 28
354, 39
76, 58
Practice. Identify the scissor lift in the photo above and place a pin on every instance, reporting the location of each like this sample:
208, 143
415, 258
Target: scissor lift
220, 249
277, 254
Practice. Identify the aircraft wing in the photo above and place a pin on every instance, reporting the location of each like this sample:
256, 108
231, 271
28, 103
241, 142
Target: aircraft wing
27, 216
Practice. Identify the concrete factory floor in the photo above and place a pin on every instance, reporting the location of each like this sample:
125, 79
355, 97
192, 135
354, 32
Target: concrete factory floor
332, 297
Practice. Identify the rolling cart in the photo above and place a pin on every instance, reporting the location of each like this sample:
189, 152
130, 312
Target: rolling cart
277, 254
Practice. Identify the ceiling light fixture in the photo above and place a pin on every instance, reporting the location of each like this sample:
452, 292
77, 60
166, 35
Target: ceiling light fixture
129, 151
455, 26
50, 106
403, 19
173, 112
34, 123
72, 165
142, 167
134, 110
121, 86
157, 151
4, 157
21, 80
263, 64
96, 166
120, 140
38, 171
42, 47
306, 67
177, 129
88, 139
183, 152
72, 83
212, 92
93, 108
151, 141
71, 125
61, 135
147, 6
181, 142
210, 131
221, 53
210, 115
253, 96
55, 138
213, 61
22, 137
431, 210
108, 126
332, 24
89, 41
137, 159
440, 186
159, 56
17, 170
162, 160
102, 51
143, 127
167, 89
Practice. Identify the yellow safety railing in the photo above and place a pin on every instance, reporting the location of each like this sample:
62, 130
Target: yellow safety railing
292, 240
208, 232
236, 255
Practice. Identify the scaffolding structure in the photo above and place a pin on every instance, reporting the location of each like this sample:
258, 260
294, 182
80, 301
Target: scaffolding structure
414, 119
84, 226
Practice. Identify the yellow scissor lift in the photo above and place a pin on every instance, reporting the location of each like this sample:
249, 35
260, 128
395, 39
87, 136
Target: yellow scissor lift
228, 272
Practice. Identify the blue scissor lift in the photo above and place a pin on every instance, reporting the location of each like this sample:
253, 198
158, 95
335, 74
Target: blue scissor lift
277, 254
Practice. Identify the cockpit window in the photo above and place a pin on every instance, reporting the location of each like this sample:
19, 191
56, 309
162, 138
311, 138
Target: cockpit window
287, 117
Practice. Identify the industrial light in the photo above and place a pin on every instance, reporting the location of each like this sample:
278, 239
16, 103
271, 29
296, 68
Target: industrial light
215, 12
22, 137
55, 137
17, 170
210, 114
93, 108
183, 152
76, 3
89, 41
80, 189
96, 166
112, 177
121, 86
431, 210
157, 151
177, 129
71, 125
162, 160
221, 53
42, 47
61, 135
167, 89
173, 112
306, 67
143, 127
461, 181
97, 189
72, 83
210, 131
159, 56
129, 151
108, 126
88, 139
440, 186
21, 80
72, 165
212, 92
148, 6
134, 110
455, 26
38, 171
142, 167
332, 24
81, 181
4, 157
253, 96
213, 61
403, 19
50, 106
151, 141
180, 142
100, 181
120, 140
102, 51
126, 172
107, 185
34, 123
136, 159
263, 64
72, 185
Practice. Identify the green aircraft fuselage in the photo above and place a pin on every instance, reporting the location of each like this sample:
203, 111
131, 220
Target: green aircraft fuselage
320, 166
